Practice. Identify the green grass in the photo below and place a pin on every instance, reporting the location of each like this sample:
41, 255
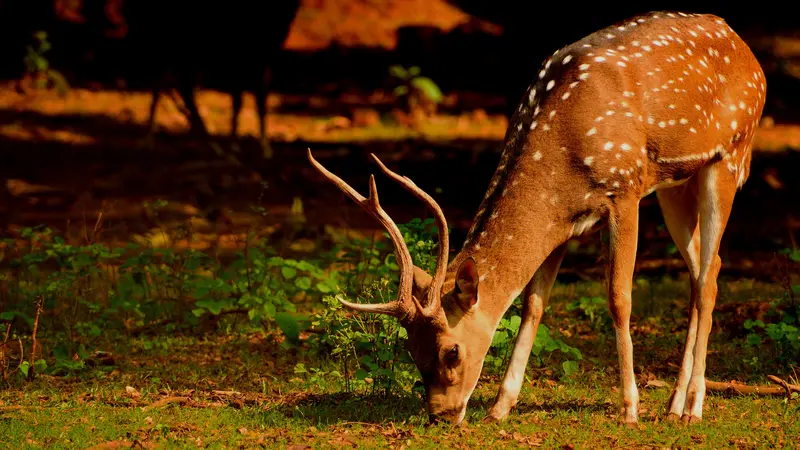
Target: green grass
273, 407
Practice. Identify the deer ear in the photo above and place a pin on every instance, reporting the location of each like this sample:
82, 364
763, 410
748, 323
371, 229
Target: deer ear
422, 281
467, 284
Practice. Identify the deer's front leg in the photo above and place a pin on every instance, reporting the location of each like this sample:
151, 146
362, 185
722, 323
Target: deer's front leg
535, 298
623, 226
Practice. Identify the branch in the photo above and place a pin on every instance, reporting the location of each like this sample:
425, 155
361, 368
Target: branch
783, 388
39, 305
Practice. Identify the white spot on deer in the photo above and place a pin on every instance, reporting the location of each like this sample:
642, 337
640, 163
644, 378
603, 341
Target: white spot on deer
533, 125
550, 84
588, 160
542, 73
599, 59
608, 146
692, 130
621, 64
733, 125
584, 75
662, 124
591, 131
583, 66
552, 113
565, 95
537, 156
510, 237
625, 147
566, 59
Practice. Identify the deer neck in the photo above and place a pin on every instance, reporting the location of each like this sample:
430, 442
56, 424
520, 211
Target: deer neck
520, 221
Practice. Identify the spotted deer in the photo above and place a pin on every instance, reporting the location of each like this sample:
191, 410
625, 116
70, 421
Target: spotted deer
662, 102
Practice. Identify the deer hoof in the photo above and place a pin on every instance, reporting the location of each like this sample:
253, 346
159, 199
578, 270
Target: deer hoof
689, 419
673, 418
490, 419
631, 425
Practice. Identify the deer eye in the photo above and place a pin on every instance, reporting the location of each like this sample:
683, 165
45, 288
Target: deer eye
452, 355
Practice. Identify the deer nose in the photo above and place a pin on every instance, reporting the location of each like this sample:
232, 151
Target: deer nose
453, 416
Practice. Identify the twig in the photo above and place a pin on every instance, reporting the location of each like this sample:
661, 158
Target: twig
783, 389
39, 305
227, 393
3, 359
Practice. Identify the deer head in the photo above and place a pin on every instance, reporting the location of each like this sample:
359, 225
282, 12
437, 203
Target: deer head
448, 337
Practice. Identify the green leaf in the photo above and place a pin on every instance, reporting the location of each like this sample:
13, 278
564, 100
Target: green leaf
25, 367
303, 283
398, 71
288, 325
413, 71
288, 272
570, 367
753, 340
323, 288
515, 323
40, 366
400, 91
213, 306
428, 87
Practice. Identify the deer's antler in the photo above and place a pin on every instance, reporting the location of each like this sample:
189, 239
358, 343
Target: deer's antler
434, 293
406, 306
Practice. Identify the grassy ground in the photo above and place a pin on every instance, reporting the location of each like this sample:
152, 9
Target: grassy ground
223, 391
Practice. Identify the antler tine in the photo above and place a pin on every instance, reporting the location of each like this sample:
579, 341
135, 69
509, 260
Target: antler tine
403, 305
434, 296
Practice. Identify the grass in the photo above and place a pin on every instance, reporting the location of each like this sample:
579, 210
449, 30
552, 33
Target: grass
240, 390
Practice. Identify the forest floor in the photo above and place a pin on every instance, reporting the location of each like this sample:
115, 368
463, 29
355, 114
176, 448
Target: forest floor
245, 391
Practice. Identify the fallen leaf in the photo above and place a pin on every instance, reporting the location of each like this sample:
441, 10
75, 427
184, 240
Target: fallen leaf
132, 392
655, 384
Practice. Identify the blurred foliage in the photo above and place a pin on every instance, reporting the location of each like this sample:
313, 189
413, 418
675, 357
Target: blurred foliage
38, 67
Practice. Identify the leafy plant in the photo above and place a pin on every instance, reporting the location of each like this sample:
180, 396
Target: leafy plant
38, 67
420, 92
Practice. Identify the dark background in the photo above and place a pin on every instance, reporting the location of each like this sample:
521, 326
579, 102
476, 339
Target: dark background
486, 61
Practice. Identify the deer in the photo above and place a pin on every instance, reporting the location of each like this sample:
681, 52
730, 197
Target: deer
663, 102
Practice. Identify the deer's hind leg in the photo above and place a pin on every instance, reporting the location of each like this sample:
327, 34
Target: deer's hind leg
679, 206
535, 298
711, 195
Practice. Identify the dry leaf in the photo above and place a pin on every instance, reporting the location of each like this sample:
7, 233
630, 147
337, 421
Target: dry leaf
132, 392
